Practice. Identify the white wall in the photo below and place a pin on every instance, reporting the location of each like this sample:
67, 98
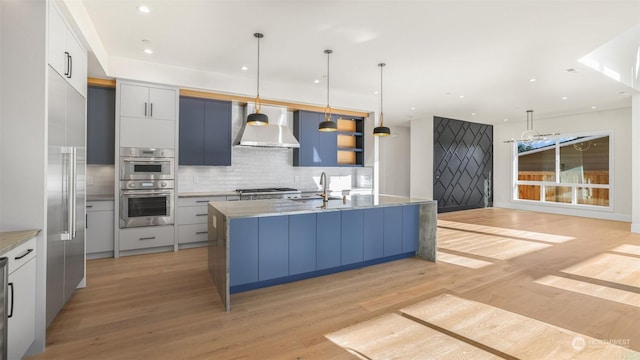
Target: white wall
24, 131
618, 121
421, 170
394, 152
635, 149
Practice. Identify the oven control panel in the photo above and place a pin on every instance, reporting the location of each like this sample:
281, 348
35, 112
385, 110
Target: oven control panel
147, 184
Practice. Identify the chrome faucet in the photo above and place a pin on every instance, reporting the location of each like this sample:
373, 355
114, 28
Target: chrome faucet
323, 182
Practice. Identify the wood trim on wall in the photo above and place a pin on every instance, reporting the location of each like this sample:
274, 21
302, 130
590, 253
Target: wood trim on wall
240, 99
289, 105
101, 82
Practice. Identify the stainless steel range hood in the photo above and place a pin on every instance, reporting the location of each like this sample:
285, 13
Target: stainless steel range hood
275, 135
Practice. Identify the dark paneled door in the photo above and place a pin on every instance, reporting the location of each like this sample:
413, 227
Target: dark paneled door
462, 164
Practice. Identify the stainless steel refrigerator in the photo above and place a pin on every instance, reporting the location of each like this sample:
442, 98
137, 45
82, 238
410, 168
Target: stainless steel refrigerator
66, 193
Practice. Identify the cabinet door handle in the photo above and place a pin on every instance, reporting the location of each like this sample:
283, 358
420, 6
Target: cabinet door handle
27, 252
201, 232
66, 71
202, 201
11, 299
151, 112
145, 109
89, 206
147, 238
70, 66
201, 214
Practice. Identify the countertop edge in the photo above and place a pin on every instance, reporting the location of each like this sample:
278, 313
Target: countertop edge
320, 210
206, 194
10, 240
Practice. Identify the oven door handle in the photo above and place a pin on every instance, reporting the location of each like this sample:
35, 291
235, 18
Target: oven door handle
145, 193
158, 160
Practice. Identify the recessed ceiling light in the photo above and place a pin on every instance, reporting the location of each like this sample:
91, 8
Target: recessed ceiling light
144, 9
473, 114
316, 81
564, 98
533, 80
594, 107
376, 92
461, 96
244, 68
505, 120
148, 51
413, 108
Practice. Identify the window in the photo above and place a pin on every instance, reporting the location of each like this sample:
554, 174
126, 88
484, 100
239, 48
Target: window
570, 170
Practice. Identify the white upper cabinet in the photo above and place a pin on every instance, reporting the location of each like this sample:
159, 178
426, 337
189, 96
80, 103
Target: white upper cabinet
147, 115
66, 55
147, 102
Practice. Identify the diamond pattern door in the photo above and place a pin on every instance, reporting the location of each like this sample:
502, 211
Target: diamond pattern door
462, 164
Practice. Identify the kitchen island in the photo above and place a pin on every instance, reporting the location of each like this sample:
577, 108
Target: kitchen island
259, 243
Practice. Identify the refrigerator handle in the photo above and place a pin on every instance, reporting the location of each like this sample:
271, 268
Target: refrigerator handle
72, 193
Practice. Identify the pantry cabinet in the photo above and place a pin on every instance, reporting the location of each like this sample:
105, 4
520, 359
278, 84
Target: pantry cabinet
66, 56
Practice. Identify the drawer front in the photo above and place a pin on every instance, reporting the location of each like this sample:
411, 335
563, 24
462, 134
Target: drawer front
199, 201
146, 237
192, 215
100, 205
21, 255
192, 233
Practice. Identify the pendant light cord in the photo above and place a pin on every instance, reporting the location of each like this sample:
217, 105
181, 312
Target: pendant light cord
327, 109
258, 36
381, 92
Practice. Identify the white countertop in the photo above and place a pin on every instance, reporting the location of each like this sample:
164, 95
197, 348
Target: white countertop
257, 208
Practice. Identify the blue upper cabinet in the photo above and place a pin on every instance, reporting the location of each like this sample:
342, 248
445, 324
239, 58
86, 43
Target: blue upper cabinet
101, 122
316, 148
344, 147
205, 132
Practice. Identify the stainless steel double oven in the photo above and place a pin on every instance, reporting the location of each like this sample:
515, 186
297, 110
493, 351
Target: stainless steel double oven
147, 187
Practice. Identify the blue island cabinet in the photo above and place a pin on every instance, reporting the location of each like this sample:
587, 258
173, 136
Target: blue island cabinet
243, 251
410, 228
302, 243
328, 232
352, 237
373, 233
273, 247
392, 232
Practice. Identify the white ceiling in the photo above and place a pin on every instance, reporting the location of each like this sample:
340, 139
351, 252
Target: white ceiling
435, 51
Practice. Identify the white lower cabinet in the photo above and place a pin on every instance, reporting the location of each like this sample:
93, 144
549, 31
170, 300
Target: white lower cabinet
146, 237
99, 229
21, 299
192, 218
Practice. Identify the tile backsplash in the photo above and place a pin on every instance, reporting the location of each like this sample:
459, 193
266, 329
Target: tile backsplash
268, 167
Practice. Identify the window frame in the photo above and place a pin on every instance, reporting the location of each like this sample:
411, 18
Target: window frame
543, 184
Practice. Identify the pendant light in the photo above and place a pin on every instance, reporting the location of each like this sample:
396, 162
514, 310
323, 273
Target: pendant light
257, 118
381, 130
327, 125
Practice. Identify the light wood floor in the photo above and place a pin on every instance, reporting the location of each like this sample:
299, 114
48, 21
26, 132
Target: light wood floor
583, 276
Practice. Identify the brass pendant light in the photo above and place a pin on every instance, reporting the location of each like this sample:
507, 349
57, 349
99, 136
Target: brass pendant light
381, 130
257, 118
327, 125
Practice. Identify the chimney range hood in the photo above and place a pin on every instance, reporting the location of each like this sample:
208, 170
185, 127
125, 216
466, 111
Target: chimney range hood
274, 135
